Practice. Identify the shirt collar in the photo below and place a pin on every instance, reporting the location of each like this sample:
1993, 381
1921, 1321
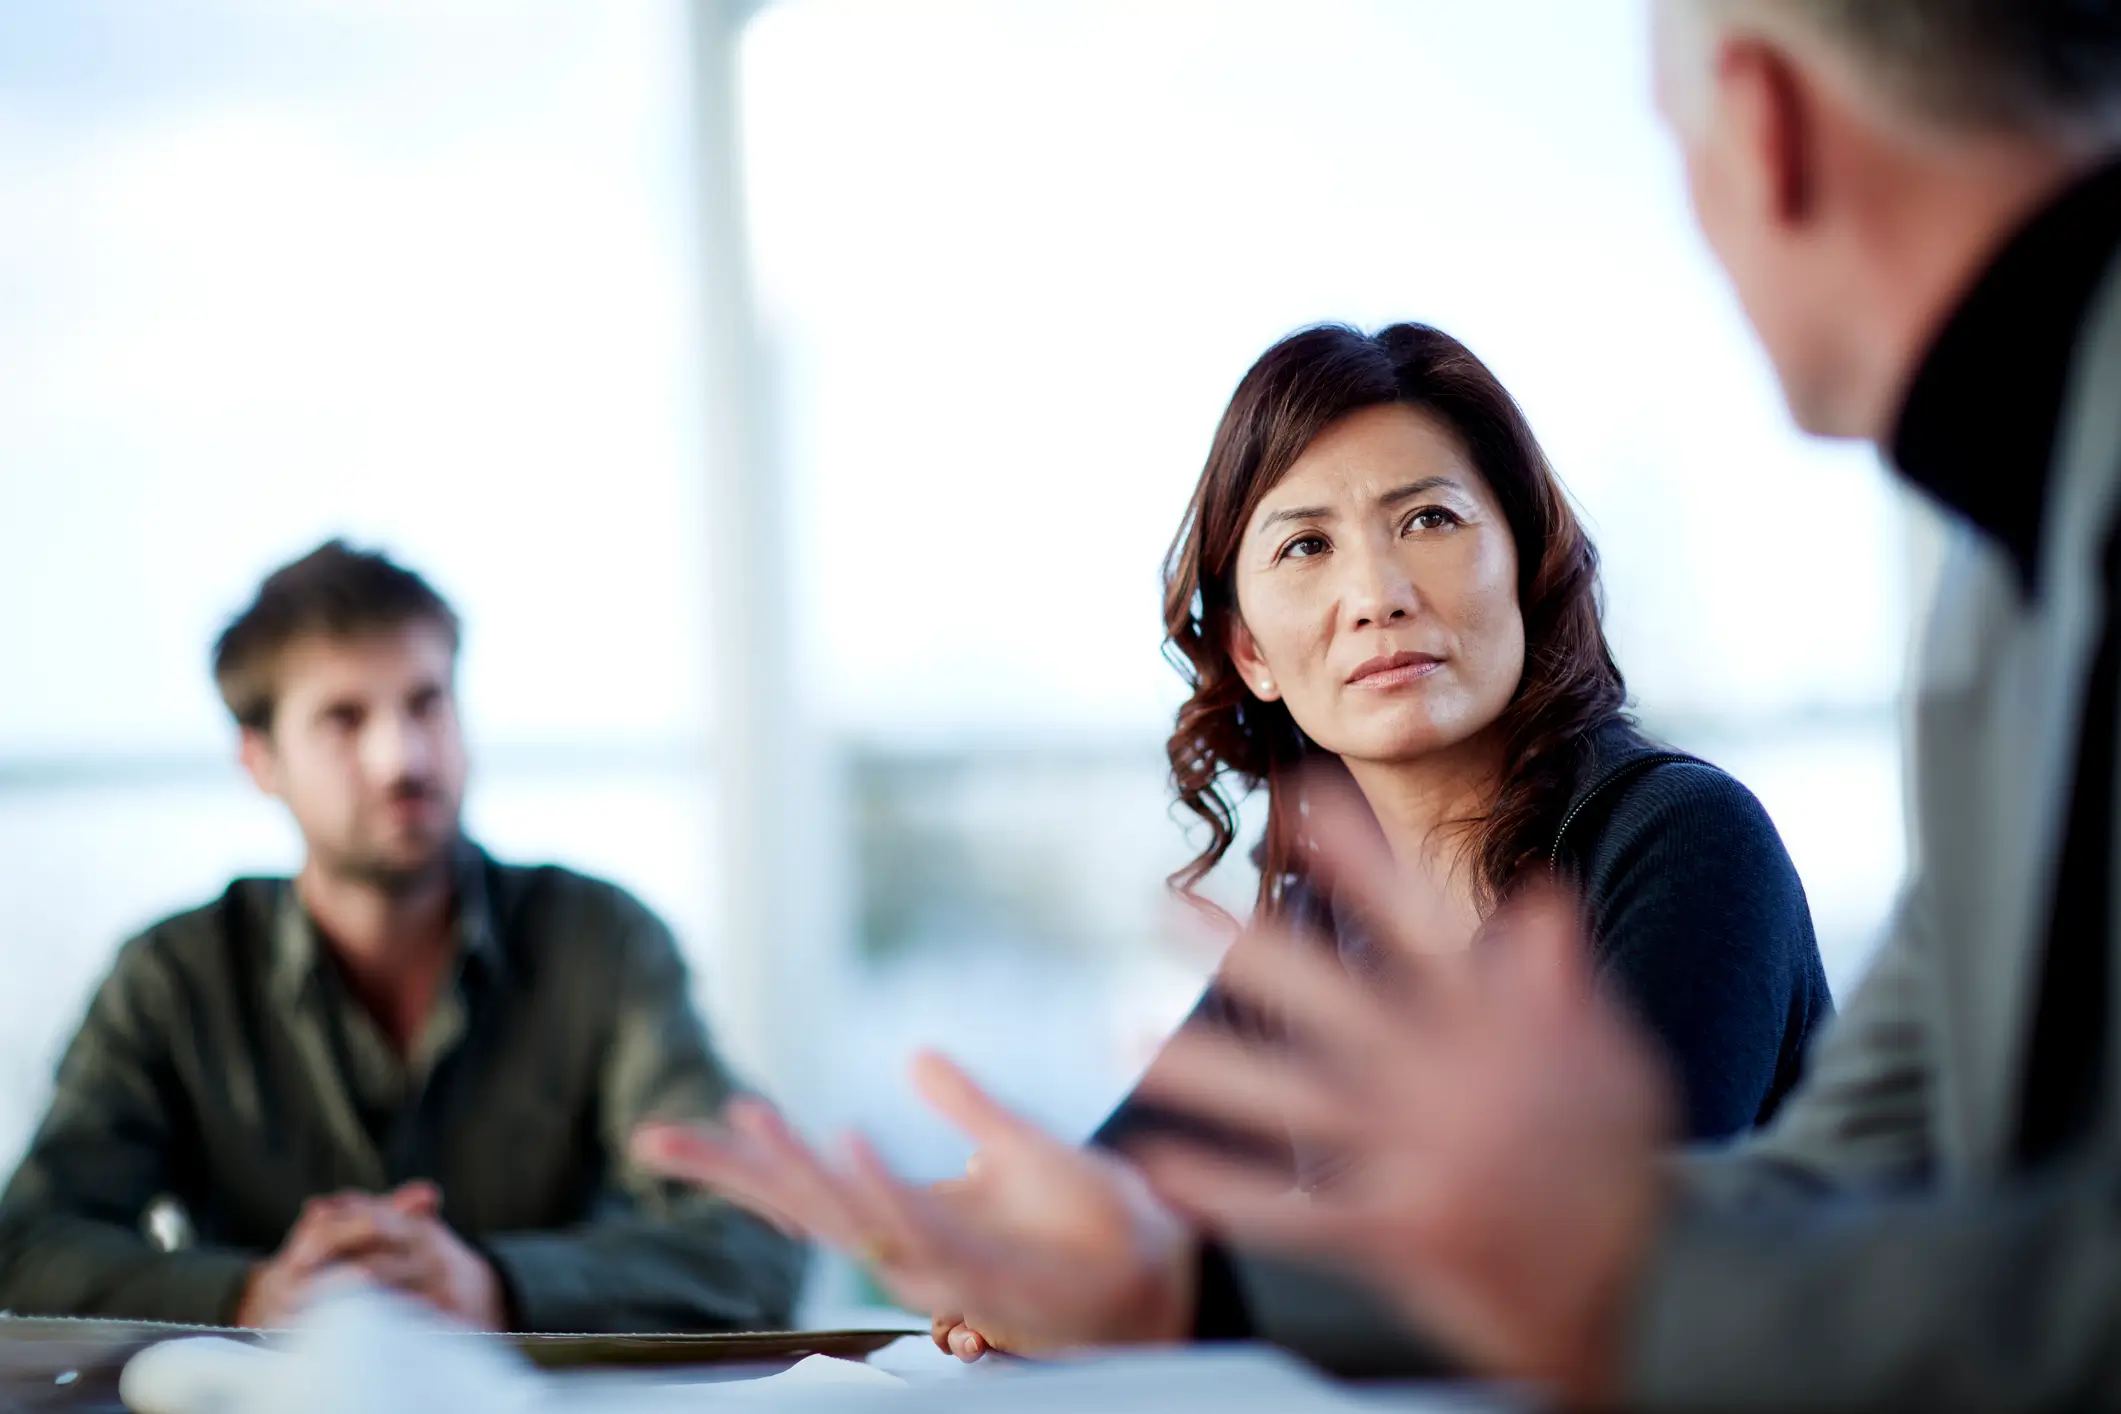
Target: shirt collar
296, 946
1978, 427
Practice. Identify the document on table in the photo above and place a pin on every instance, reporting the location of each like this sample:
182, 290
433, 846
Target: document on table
365, 1353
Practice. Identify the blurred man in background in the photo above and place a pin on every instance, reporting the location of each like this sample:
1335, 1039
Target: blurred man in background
409, 1062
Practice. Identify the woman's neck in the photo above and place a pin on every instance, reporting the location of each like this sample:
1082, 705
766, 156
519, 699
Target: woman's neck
1426, 809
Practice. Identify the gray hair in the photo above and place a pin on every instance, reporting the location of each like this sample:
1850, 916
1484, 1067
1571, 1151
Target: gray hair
2049, 66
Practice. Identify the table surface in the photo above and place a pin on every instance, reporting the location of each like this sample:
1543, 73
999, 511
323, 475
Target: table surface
73, 1365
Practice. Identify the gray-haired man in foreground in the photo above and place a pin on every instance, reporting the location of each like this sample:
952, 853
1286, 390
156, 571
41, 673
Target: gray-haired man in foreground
1918, 204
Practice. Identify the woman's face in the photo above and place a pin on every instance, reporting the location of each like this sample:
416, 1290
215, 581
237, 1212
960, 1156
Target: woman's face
1377, 591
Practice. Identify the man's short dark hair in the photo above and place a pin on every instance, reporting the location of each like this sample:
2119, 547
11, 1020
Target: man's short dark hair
334, 591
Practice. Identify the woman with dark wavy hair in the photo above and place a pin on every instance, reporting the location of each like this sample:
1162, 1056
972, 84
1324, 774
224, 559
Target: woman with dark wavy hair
1379, 575
1380, 578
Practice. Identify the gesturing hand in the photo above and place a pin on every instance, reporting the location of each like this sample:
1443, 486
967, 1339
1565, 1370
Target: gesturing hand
1502, 1124
1055, 1245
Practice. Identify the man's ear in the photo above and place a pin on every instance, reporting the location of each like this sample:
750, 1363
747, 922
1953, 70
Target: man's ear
1250, 666
254, 749
1771, 116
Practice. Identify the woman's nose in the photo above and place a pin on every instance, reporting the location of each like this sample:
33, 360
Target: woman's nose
1380, 592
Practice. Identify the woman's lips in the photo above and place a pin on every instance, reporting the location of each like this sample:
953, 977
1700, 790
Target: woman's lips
1394, 670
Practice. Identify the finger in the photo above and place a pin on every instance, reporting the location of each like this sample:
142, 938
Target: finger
1539, 951
420, 1198
1200, 929
1250, 1203
341, 1197
400, 1271
960, 1196
716, 1159
318, 1205
920, 1250
966, 1344
1312, 993
803, 1184
339, 1232
736, 1166
1351, 857
940, 1329
960, 1100
693, 1153
903, 1229
1220, 1078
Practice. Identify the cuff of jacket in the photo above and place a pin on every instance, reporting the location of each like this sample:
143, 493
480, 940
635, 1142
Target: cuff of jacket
1701, 1334
558, 1281
197, 1286
545, 1284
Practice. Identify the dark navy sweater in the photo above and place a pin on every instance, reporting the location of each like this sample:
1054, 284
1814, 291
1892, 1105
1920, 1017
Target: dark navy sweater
1698, 922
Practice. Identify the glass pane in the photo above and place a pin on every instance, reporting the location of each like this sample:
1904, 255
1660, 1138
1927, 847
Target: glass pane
417, 273
1013, 297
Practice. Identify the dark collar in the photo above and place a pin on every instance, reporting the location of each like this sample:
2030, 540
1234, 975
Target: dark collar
296, 945
1978, 428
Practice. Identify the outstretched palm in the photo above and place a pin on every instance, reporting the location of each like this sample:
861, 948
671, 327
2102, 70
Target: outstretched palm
1049, 1246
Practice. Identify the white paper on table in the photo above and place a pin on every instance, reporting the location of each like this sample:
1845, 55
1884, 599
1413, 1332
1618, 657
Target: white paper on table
363, 1352
810, 1372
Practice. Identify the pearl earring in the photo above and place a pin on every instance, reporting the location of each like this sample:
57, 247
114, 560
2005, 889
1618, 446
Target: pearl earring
1266, 685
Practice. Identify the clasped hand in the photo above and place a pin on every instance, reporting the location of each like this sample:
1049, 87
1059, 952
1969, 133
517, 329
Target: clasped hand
395, 1240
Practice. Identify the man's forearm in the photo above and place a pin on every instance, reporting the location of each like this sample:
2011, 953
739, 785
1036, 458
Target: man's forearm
1996, 1301
718, 1271
57, 1264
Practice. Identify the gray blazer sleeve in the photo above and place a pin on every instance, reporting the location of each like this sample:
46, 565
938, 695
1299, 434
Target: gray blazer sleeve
1862, 1123
1852, 1297
1863, 1120
2009, 1299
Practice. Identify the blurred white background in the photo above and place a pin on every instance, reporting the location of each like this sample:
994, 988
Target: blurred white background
431, 275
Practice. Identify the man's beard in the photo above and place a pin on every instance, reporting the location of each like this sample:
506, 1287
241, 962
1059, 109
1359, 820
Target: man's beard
396, 878
394, 874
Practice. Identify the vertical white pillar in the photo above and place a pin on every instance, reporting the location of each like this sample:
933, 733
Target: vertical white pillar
781, 973
752, 682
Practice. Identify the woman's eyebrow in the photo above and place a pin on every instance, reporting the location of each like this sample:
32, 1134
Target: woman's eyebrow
1419, 488
1390, 498
1296, 513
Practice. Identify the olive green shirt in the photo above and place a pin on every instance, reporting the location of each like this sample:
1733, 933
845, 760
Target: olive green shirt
225, 1066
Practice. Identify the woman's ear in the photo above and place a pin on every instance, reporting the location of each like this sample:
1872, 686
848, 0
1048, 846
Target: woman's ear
1250, 666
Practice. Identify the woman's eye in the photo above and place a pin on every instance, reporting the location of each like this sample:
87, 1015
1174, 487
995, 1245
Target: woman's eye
1431, 518
1303, 547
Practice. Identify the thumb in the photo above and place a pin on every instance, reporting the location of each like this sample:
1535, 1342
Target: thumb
960, 1100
